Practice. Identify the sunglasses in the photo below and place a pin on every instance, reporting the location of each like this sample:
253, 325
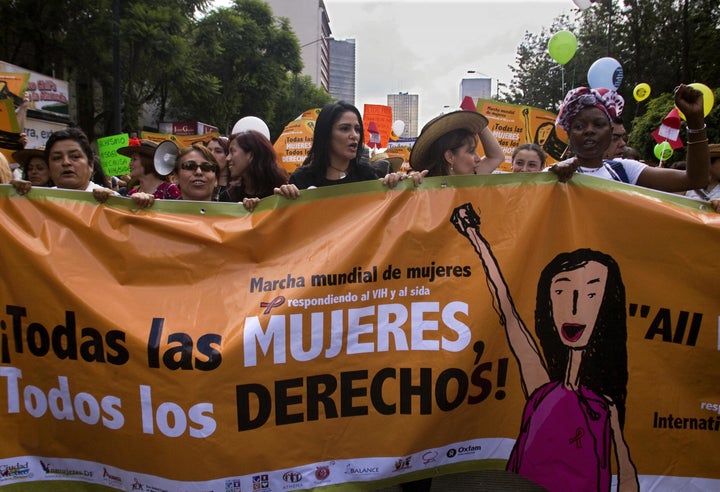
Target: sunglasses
204, 166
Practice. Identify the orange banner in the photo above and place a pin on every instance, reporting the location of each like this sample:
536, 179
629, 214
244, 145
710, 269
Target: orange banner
377, 121
358, 336
181, 140
514, 125
293, 144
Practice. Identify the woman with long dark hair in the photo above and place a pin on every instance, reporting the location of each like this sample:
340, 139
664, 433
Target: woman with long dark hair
575, 390
336, 154
253, 165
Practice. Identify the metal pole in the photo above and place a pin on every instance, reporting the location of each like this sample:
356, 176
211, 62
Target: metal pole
117, 117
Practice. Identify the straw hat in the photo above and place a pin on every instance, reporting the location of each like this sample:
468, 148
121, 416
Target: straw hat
24, 156
395, 161
146, 149
713, 148
439, 126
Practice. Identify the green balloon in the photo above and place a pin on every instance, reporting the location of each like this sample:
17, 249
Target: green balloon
562, 46
663, 151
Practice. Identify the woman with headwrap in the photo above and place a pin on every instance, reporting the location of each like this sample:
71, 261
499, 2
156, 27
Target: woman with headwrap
587, 115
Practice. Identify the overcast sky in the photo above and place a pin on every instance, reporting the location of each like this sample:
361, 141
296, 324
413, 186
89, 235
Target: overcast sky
427, 47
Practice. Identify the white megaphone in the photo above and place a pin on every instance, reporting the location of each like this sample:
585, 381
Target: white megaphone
165, 156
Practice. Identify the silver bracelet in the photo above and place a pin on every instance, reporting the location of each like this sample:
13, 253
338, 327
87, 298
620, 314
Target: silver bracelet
699, 130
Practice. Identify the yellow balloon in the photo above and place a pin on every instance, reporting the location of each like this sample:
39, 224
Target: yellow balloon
708, 98
641, 92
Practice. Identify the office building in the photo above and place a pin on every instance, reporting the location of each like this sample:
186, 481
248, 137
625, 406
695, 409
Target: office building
311, 24
405, 107
342, 69
476, 87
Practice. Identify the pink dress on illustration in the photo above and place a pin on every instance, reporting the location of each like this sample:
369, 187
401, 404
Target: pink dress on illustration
564, 440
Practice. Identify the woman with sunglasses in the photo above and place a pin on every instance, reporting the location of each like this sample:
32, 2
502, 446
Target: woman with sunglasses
196, 173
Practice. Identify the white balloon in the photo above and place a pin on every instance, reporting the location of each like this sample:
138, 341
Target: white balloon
248, 123
582, 4
605, 73
398, 127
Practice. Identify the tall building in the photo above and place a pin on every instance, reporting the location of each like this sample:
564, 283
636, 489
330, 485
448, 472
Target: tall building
311, 24
342, 69
405, 107
476, 87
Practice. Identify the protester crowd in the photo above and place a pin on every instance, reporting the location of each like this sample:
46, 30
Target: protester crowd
243, 168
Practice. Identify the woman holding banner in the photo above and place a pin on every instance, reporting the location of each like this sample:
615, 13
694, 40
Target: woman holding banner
335, 156
70, 159
142, 169
447, 146
254, 167
587, 115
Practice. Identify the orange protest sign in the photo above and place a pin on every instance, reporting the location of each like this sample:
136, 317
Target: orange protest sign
377, 122
170, 331
293, 144
514, 125
181, 140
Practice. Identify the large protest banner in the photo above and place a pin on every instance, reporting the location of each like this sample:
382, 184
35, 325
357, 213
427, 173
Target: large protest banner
349, 339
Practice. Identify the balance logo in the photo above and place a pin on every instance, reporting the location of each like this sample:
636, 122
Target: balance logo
233, 485
261, 482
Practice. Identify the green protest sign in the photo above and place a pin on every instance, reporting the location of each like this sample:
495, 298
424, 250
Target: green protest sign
113, 163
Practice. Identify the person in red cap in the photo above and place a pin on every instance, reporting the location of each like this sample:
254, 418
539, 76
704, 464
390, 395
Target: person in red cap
587, 115
142, 169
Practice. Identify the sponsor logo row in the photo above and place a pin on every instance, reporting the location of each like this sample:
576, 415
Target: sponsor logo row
299, 479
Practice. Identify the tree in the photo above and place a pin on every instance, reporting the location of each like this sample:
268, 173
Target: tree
537, 78
155, 53
297, 96
659, 42
250, 54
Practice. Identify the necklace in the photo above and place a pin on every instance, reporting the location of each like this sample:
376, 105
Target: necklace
343, 172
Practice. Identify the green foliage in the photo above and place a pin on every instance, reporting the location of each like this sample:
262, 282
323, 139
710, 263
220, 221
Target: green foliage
251, 55
658, 107
532, 59
177, 59
298, 95
659, 42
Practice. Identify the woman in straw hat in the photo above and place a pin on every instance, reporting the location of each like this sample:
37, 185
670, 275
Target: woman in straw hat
447, 146
34, 166
587, 115
142, 169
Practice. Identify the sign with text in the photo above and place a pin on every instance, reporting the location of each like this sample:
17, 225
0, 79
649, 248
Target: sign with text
514, 125
359, 334
113, 164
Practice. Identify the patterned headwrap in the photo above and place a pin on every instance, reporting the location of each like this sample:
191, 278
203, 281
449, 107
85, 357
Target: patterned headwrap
610, 102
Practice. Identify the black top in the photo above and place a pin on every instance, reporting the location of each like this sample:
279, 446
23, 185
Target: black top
304, 178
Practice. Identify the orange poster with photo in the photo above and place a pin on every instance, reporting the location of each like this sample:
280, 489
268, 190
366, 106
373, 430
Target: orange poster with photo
358, 337
514, 125
377, 122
